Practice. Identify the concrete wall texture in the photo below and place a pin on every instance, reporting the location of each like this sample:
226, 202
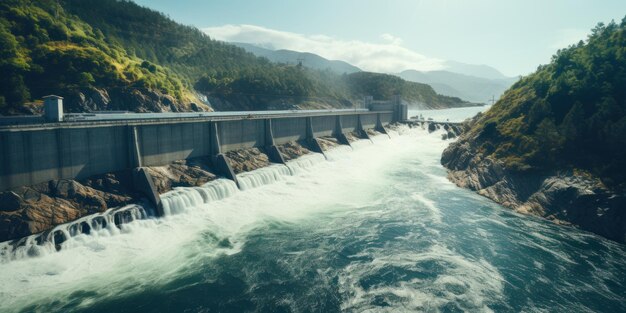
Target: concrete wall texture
288, 129
368, 121
32, 156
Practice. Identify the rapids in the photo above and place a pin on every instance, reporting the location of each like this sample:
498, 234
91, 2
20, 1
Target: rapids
375, 228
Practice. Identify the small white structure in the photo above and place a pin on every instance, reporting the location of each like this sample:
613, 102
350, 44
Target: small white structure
53, 108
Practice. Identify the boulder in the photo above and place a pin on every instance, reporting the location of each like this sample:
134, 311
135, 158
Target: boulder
9, 201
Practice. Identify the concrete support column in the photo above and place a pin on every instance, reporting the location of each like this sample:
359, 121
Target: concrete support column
220, 161
214, 138
270, 147
379, 125
4, 163
361, 130
222, 166
143, 183
310, 134
60, 158
339, 132
359, 126
314, 145
269, 135
134, 154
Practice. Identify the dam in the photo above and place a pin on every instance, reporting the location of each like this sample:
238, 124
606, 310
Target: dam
78, 146
379, 226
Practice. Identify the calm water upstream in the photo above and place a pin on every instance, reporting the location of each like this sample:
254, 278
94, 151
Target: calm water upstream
378, 229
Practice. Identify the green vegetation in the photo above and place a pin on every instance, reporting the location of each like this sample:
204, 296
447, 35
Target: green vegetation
44, 50
54, 47
569, 114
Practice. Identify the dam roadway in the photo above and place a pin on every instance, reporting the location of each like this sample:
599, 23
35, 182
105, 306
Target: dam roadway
85, 145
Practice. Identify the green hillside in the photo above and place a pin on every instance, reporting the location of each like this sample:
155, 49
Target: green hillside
569, 114
124, 51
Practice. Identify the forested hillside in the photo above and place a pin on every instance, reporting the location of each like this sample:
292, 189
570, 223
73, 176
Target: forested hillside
116, 55
569, 114
554, 144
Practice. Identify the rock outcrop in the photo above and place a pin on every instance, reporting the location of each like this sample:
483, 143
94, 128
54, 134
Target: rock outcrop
139, 100
247, 160
327, 142
293, 150
28, 210
565, 197
33, 209
182, 173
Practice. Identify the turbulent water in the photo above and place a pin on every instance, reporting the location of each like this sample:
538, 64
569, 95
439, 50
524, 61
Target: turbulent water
375, 228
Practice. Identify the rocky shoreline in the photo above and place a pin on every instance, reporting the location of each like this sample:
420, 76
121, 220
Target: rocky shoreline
574, 198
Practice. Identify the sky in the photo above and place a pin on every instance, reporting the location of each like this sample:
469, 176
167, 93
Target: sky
394, 35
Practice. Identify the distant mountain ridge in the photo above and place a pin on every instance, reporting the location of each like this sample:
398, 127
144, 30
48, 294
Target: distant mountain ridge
466, 87
310, 60
474, 83
476, 70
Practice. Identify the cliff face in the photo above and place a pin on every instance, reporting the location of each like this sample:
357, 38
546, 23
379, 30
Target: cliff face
565, 197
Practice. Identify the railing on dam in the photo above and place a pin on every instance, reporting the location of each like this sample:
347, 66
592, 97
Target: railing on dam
36, 153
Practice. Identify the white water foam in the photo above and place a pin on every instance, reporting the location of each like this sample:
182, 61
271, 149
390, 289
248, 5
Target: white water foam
468, 282
361, 143
184, 198
262, 176
304, 163
339, 152
62, 236
152, 252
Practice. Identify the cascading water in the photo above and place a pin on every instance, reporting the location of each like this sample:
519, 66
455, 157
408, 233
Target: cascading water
182, 199
304, 162
338, 152
179, 200
108, 223
359, 144
262, 176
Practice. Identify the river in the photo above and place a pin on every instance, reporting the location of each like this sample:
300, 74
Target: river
377, 229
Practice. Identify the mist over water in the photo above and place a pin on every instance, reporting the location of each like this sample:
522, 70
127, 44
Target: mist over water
377, 228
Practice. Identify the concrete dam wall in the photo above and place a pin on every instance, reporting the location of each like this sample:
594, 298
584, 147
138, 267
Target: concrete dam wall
36, 154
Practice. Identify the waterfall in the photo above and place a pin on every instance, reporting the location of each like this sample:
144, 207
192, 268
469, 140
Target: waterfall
361, 143
106, 223
380, 138
338, 152
262, 176
304, 162
182, 199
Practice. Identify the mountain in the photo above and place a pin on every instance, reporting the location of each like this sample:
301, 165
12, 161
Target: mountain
483, 71
416, 95
553, 145
310, 60
117, 55
471, 88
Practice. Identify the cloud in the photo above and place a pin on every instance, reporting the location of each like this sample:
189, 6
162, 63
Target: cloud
390, 56
391, 39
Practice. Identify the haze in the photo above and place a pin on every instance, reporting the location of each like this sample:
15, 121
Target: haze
512, 36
